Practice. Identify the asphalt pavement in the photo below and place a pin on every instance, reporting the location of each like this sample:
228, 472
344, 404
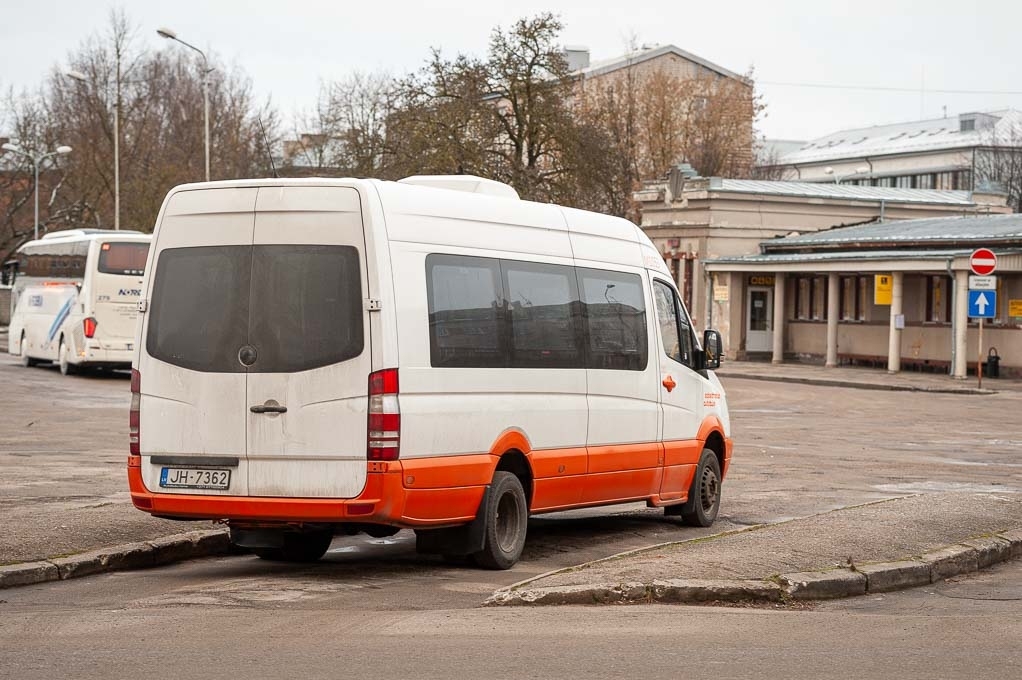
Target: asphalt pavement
900, 542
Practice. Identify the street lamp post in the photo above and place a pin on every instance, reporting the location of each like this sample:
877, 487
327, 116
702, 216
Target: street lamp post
171, 35
60, 150
76, 75
861, 170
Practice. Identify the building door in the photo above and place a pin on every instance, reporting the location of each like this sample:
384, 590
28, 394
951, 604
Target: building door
760, 320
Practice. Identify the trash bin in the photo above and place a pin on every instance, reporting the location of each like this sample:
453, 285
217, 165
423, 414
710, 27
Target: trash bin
993, 365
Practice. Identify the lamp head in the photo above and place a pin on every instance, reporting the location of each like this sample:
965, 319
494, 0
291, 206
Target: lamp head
166, 33
10, 147
63, 150
76, 75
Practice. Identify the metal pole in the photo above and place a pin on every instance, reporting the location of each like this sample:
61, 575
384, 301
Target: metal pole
205, 105
35, 165
117, 150
979, 356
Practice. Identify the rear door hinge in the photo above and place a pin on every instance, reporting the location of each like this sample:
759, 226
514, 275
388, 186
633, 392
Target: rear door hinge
143, 305
373, 305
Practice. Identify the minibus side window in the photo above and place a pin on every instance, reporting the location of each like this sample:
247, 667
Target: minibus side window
466, 312
545, 315
615, 316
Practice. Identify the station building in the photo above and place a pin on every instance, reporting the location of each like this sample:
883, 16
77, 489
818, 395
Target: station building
892, 294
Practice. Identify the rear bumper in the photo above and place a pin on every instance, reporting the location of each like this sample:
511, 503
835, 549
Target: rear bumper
106, 357
384, 500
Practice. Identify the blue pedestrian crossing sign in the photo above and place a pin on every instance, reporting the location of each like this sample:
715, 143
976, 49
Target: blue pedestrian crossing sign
982, 304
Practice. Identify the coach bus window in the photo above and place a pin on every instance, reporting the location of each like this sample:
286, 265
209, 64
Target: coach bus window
123, 258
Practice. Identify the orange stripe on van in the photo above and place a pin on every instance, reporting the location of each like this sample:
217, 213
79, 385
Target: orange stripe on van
618, 457
443, 472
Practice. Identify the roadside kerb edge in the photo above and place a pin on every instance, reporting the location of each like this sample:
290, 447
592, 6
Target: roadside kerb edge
837, 582
141, 555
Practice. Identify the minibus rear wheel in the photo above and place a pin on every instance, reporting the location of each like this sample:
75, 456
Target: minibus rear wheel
302, 547
507, 518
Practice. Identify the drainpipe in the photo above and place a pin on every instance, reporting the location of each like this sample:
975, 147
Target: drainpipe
883, 205
954, 295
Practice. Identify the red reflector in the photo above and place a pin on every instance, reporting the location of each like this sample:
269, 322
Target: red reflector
143, 503
90, 327
384, 422
136, 381
360, 508
384, 452
383, 382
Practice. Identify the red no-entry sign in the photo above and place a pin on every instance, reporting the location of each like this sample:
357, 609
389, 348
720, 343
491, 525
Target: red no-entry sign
983, 261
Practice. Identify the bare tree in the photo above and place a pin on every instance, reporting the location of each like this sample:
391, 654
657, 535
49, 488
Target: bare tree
158, 96
998, 164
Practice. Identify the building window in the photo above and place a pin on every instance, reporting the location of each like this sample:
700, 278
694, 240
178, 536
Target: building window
853, 298
938, 299
803, 298
885, 182
963, 180
811, 298
924, 181
945, 181
819, 298
903, 182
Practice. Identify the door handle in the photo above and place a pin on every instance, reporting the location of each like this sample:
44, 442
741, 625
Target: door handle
268, 408
669, 383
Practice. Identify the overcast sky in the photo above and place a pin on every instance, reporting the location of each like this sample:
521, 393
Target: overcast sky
288, 48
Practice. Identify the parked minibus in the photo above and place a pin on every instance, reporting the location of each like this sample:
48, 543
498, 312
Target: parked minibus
75, 298
319, 357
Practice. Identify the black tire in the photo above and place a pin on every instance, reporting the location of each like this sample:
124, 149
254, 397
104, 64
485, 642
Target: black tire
26, 360
507, 520
66, 367
704, 495
299, 547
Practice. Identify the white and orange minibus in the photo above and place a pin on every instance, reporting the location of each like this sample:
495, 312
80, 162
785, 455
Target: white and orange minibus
320, 356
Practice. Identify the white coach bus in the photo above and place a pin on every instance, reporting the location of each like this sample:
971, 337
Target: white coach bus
320, 357
75, 298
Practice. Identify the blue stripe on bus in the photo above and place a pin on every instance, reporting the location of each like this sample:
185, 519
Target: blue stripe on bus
61, 317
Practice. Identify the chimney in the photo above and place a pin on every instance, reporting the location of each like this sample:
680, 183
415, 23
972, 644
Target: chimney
577, 57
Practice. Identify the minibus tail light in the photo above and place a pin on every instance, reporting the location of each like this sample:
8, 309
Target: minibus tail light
384, 437
90, 327
133, 414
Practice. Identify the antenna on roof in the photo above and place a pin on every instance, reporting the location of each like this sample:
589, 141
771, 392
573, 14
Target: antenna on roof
269, 151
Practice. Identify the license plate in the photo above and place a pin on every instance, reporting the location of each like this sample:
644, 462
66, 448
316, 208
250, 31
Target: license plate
194, 478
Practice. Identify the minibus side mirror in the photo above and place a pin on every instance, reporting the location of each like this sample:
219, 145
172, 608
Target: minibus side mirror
712, 346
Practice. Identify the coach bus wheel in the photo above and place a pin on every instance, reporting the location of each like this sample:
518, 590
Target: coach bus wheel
507, 518
704, 495
299, 547
66, 367
26, 360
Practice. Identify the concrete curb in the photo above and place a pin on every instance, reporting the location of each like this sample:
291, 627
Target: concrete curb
824, 382
153, 553
842, 581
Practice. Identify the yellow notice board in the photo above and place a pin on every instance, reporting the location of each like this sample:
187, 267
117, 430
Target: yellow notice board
883, 289
1015, 308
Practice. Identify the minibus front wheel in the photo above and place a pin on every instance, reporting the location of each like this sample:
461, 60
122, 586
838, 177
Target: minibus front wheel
703, 504
506, 521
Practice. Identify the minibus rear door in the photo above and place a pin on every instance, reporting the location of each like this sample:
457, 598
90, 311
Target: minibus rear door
308, 354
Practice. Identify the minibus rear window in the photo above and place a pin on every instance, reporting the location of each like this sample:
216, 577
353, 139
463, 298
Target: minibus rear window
298, 306
126, 259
